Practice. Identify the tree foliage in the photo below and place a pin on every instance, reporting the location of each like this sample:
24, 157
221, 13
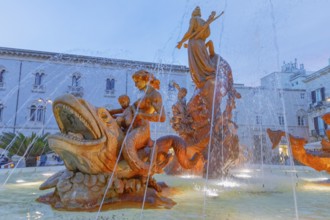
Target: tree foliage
21, 145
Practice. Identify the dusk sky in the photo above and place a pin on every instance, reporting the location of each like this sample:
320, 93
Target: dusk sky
254, 36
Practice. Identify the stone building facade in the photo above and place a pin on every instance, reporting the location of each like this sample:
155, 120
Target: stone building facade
318, 90
279, 103
31, 80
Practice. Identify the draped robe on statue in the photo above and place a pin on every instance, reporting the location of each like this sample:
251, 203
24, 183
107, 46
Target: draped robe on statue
200, 64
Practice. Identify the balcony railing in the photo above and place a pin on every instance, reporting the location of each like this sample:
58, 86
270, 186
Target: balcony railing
318, 105
318, 133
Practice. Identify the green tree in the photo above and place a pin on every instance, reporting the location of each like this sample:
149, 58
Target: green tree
29, 147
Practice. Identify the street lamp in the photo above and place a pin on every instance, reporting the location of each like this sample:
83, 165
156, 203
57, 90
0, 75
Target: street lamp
44, 104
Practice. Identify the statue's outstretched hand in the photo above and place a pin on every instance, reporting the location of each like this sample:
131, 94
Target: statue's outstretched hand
179, 45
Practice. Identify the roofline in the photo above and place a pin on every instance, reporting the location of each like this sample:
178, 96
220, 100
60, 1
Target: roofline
272, 89
73, 58
319, 73
273, 73
296, 76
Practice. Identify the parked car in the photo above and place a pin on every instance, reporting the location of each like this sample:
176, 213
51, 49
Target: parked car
5, 162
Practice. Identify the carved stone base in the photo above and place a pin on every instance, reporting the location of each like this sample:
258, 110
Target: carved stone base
77, 191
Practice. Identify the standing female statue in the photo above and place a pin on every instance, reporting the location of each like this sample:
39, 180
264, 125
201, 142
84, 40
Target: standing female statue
201, 66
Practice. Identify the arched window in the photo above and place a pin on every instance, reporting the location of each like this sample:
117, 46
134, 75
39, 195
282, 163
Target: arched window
38, 79
110, 85
40, 113
301, 117
75, 80
75, 88
33, 110
1, 111
301, 121
38, 82
37, 113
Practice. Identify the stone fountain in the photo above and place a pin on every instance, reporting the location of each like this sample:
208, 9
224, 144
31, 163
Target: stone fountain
109, 155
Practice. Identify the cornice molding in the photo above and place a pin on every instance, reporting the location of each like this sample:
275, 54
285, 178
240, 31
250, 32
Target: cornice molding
82, 59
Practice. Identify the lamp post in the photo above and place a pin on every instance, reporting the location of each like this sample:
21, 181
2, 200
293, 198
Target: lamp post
44, 105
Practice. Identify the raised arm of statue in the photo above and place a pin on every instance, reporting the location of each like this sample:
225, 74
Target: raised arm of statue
188, 34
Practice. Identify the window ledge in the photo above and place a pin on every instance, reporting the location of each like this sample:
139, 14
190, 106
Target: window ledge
110, 93
38, 88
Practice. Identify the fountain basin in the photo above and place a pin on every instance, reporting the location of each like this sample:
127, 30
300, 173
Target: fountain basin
254, 192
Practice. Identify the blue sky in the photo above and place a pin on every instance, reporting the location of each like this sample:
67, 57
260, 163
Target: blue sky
254, 36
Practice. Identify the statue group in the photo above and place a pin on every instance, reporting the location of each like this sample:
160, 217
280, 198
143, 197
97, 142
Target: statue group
110, 156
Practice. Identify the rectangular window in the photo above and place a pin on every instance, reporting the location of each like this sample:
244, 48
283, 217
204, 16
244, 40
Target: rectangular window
322, 91
313, 94
319, 126
318, 95
281, 120
302, 95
